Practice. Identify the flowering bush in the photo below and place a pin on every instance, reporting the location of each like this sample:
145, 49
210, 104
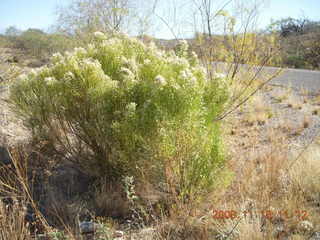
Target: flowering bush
119, 107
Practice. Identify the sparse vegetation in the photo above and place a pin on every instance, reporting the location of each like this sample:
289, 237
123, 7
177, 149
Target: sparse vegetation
259, 113
294, 103
34, 47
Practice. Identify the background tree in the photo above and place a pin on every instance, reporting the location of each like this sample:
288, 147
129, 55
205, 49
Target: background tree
291, 26
228, 41
12, 31
299, 40
82, 16
86, 16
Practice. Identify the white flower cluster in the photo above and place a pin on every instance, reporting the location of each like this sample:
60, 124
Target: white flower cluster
146, 62
68, 75
130, 64
223, 80
194, 58
173, 59
35, 71
160, 80
91, 63
127, 74
187, 75
50, 80
111, 42
219, 75
152, 46
80, 51
56, 57
183, 47
110, 83
202, 70
131, 109
115, 125
100, 36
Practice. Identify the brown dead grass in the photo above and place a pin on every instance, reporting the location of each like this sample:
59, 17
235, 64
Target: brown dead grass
258, 112
294, 102
264, 181
12, 222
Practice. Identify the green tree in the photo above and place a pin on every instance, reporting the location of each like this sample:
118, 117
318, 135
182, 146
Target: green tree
299, 40
12, 31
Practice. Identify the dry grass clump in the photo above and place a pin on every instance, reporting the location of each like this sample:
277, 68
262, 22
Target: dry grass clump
294, 103
265, 182
303, 198
19, 215
316, 99
298, 130
259, 112
12, 222
286, 126
305, 174
316, 111
306, 121
250, 229
283, 95
180, 229
305, 94
294, 128
259, 176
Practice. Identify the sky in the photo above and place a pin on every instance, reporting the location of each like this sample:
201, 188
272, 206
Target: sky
278, 9
25, 14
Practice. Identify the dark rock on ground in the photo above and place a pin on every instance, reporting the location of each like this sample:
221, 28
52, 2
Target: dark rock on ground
69, 180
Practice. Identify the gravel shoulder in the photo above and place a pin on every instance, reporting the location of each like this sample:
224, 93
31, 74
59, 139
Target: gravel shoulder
292, 113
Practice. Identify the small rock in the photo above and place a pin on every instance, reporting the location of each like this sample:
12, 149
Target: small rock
305, 226
89, 227
86, 227
118, 234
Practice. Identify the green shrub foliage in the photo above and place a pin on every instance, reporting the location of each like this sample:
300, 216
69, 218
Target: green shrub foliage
34, 43
119, 107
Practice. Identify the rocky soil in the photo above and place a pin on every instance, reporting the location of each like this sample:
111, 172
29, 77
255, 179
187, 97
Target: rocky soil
290, 112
